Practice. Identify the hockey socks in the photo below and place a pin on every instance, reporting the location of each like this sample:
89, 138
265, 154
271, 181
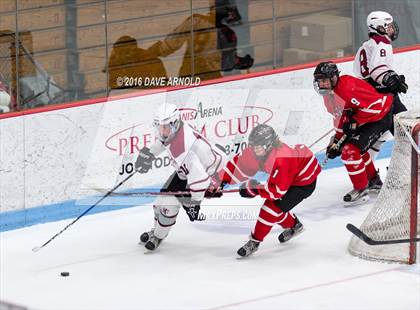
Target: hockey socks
369, 166
268, 216
355, 166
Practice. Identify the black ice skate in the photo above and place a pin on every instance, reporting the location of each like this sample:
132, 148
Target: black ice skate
375, 184
356, 196
250, 247
289, 233
146, 236
153, 243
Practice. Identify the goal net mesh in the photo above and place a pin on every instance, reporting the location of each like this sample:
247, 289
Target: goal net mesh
392, 213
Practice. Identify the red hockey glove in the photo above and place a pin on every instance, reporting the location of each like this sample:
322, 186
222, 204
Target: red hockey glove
249, 189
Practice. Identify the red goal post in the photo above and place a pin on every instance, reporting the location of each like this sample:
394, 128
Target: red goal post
415, 185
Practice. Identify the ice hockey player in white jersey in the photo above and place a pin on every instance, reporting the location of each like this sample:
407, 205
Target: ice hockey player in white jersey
374, 59
374, 63
195, 160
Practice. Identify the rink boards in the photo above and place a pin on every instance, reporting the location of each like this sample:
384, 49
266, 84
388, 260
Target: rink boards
56, 163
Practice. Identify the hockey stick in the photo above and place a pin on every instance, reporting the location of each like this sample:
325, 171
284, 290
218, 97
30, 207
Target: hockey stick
338, 145
37, 248
140, 194
362, 236
320, 138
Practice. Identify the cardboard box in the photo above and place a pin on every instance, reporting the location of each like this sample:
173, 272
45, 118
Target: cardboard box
7, 6
293, 56
49, 17
262, 34
284, 8
263, 9
321, 32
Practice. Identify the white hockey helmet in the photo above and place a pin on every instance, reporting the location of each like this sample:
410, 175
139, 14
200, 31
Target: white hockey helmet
382, 23
166, 121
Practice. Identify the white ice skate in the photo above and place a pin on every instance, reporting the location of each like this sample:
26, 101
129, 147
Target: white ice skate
146, 236
289, 233
375, 184
153, 243
356, 197
248, 248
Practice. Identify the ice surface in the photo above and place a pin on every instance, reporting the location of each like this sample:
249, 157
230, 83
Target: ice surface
196, 267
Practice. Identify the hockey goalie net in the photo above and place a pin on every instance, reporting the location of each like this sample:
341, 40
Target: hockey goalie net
395, 214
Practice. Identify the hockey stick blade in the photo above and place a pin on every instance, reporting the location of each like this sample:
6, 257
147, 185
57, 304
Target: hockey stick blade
362, 236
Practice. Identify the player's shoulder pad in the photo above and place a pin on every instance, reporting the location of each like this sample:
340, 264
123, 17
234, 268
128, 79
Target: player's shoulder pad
283, 152
247, 153
248, 162
380, 39
347, 78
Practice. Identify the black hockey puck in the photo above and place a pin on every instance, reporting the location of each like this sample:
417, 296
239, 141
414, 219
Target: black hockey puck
65, 273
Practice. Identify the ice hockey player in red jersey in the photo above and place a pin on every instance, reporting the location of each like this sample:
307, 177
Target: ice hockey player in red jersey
292, 178
362, 115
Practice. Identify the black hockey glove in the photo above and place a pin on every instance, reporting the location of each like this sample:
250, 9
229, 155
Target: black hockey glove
333, 150
145, 160
394, 83
350, 128
243, 63
193, 211
249, 189
215, 188
403, 85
